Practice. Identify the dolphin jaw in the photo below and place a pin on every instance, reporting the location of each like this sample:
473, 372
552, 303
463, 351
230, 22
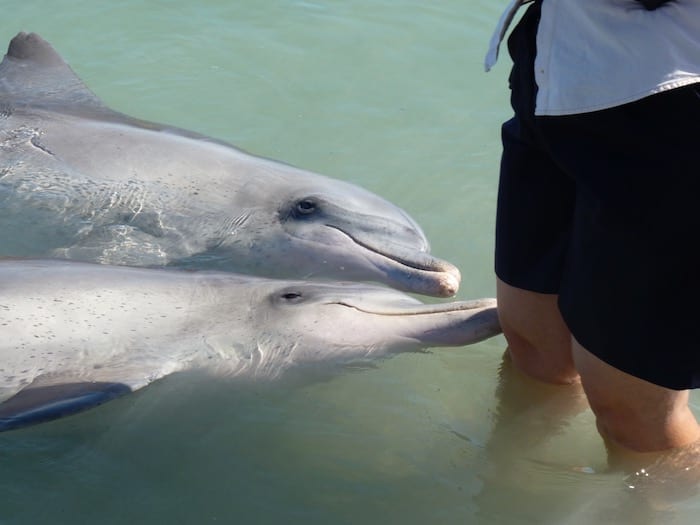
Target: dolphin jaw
426, 274
426, 325
422, 309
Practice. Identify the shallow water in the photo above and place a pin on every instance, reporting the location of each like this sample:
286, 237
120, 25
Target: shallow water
390, 95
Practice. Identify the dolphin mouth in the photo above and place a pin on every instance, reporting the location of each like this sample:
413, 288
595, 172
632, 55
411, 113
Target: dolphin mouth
449, 324
428, 275
423, 309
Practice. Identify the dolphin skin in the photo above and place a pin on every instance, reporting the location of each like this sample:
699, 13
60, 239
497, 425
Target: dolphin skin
77, 334
81, 181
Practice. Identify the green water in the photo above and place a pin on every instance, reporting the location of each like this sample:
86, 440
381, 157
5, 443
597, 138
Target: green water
390, 95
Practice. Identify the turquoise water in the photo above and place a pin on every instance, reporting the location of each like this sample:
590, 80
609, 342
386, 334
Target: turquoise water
390, 95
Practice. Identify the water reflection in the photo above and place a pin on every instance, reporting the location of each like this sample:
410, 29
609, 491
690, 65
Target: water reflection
532, 471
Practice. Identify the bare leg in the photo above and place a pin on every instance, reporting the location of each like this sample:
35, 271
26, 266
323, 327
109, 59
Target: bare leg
633, 413
539, 343
630, 412
529, 412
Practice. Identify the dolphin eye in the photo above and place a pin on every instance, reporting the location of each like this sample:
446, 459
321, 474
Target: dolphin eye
291, 296
306, 206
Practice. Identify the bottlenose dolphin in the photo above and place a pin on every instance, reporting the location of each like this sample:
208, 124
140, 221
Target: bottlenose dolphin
74, 335
82, 181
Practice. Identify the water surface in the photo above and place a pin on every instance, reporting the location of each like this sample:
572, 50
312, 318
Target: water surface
390, 95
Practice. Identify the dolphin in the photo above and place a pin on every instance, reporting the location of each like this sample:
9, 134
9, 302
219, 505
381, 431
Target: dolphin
81, 181
74, 335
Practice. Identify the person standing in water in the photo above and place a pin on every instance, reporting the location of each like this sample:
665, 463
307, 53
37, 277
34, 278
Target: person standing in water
598, 277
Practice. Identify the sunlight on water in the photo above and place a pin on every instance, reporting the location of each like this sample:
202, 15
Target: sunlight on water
390, 95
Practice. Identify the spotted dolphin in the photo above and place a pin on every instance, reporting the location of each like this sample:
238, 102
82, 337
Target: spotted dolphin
74, 335
84, 182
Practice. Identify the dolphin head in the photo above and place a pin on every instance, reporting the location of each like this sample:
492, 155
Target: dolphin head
321, 227
303, 323
79, 334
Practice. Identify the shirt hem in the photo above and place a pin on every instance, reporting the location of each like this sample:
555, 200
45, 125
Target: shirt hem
667, 86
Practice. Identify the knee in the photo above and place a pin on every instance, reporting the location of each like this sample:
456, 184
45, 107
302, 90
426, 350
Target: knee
633, 413
619, 423
539, 343
640, 430
544, 361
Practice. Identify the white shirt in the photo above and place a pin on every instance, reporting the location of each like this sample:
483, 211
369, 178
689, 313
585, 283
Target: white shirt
597, 54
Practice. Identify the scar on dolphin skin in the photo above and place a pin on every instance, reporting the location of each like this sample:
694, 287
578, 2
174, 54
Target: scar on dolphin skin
35, 142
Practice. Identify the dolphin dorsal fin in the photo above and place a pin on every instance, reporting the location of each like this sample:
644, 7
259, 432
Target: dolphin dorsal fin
34, 74
30, 46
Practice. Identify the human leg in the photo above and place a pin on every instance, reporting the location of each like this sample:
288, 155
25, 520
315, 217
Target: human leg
539, 343
629, 289
533, 223
598, 211
634, 413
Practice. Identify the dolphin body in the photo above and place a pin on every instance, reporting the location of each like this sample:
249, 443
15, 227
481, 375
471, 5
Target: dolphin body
84, 182
74, 335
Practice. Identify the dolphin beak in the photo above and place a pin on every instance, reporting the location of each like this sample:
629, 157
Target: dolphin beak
457, 323
401, 254
418, 272
460, 328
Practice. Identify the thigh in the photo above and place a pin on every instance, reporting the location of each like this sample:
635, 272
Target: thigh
534, 214
630, 285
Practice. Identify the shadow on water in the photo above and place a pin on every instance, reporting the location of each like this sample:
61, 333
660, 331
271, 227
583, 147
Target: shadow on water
191, 449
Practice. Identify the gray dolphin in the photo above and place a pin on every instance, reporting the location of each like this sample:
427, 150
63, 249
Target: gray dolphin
81, 181
74, 335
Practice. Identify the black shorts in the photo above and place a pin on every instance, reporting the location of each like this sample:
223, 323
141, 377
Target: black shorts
603, 208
